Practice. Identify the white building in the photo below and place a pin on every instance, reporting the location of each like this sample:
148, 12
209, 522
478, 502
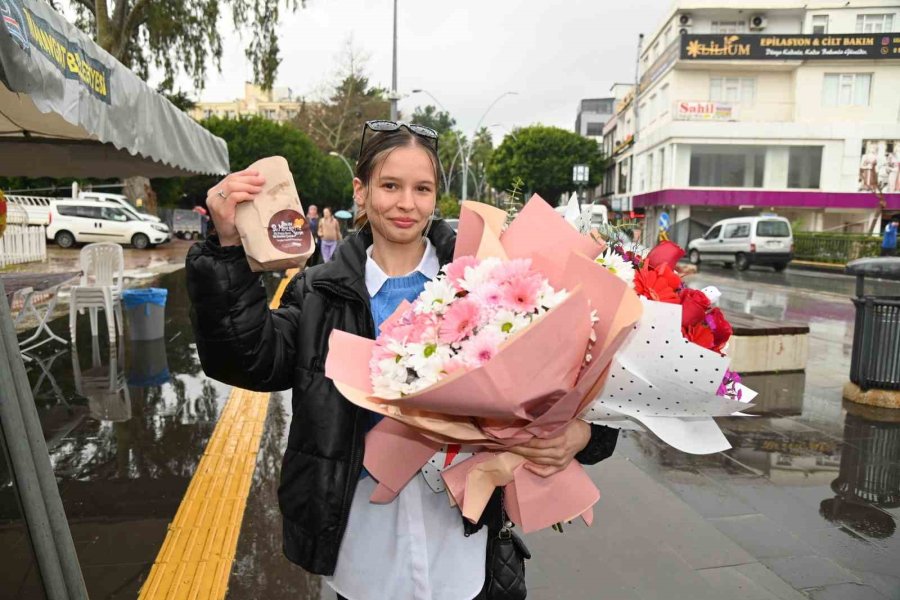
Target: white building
593, 113
788, 106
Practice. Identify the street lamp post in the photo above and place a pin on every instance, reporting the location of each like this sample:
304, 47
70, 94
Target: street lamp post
345, 161
394, 95
466, 149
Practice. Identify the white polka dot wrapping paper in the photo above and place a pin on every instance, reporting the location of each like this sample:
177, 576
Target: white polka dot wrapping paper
662, 382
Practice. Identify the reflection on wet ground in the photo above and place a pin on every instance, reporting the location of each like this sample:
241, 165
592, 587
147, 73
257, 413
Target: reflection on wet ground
812, 484
125, 427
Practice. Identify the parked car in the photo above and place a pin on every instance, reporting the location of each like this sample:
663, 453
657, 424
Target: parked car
84, 221
453, 223
745, 241
119, 200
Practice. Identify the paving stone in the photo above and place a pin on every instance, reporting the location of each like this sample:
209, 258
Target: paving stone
809, 571
761, 537
845, 591
748, 582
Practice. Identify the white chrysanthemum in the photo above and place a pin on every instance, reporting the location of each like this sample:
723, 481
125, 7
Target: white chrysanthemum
438, 294
428, 359
617, 265
475, 276
508, 322
548, 298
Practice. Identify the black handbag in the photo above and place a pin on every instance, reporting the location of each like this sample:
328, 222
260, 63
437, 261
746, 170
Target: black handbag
505, 570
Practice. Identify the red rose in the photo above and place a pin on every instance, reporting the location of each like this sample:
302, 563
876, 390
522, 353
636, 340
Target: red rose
700, 334
721, 328
694, 306
659, 283
667, 253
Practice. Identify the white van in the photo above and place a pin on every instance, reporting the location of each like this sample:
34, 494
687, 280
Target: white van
84, 221
745, 241
120, 200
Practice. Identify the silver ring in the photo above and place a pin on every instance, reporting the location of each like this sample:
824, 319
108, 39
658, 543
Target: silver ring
221, 195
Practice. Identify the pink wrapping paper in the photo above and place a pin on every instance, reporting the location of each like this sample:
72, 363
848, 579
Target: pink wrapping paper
533, 387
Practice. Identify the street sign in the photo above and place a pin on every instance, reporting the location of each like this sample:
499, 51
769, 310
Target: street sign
664, 221
580, 174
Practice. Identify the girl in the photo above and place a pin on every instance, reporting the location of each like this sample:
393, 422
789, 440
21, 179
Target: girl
416, 547
329, 234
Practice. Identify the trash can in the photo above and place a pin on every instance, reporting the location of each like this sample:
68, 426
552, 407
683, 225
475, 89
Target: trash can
875, 362
147, 366
146, 312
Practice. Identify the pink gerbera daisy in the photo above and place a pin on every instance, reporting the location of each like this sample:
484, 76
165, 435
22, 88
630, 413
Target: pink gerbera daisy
512, 269
459, 321
521, 294
481, 348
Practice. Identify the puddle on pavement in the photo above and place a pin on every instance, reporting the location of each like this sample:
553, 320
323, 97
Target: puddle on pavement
125, 426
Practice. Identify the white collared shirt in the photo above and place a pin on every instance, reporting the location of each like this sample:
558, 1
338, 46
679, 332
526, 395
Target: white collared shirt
375, 277
413, 548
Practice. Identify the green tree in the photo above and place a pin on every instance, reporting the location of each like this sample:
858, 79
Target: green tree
543, 157
182, 35
429, 116
320, 179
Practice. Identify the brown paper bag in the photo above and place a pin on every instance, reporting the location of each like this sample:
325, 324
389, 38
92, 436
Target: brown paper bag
274, 231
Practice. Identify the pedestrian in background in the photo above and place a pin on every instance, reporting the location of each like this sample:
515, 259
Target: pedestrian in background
889, 241
329, 234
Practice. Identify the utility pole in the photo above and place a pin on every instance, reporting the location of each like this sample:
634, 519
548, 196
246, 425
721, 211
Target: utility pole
394, 73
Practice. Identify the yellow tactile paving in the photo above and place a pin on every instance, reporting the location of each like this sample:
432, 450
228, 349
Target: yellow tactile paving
194, 562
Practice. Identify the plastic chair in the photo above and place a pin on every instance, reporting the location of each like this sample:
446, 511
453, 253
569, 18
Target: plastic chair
102, 274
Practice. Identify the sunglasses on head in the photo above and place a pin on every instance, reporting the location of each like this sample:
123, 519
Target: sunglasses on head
386, 126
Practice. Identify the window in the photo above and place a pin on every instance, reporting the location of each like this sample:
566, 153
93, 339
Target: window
208, 113
88, 212
773, 229
648, 176
820, 24
67, 211
664, 99
713, 234
804, 166
662, 167
732, 89
846, 89
737, 230
874, 23
623, 176
595, 128
652, 106
714, 165
728, 26
112, 214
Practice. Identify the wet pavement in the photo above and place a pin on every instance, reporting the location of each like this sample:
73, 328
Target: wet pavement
808, 498
812, 485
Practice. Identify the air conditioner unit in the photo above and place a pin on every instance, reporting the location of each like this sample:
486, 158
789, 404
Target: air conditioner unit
684, 31
685, 20
758, 22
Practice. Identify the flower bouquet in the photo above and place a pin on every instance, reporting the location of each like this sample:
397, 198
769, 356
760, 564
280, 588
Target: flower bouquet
671, 376
512, 341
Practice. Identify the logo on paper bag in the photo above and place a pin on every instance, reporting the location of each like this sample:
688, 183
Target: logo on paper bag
289, 232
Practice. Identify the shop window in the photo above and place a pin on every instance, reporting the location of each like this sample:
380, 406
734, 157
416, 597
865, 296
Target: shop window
804, 167
727, 166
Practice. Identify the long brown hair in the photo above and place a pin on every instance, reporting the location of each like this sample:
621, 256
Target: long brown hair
379, 145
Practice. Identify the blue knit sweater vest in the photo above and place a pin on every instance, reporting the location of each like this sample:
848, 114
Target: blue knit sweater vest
394, 291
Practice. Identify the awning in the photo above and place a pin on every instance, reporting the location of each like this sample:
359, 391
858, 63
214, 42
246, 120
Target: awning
69, 109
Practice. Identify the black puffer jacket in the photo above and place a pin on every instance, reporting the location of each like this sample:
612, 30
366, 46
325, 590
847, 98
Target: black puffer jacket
243, 343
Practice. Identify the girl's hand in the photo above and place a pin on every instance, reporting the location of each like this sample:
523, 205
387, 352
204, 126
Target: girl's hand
222, 198
551, 455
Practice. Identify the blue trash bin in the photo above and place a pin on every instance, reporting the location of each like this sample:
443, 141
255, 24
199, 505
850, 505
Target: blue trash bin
145, 310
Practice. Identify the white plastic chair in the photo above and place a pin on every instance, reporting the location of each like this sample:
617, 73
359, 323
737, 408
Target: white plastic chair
102, 274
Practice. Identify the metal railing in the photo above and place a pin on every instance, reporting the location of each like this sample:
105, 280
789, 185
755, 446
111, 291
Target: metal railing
834, 247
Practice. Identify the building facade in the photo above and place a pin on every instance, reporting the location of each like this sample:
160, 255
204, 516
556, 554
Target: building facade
593, 113
744, 107
278, 104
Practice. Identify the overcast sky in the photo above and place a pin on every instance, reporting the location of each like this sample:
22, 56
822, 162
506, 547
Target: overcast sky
465, 52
